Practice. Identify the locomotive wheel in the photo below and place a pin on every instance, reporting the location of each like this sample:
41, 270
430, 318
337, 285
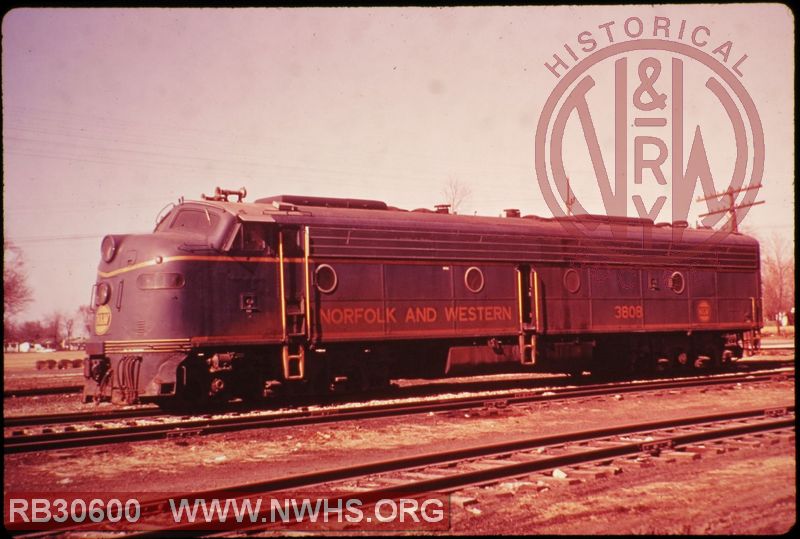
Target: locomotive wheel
378, 378
715, 353
253, 390
663, 363
192, 396
184, 404
727, 358
709, 354
249, 385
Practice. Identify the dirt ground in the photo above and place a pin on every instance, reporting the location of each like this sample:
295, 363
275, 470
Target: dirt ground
745, 492
215, 461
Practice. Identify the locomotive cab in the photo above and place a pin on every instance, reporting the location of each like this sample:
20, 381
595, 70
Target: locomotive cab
161, 297
200, 226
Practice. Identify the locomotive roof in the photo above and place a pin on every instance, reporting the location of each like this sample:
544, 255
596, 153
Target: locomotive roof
355, 228
360, 213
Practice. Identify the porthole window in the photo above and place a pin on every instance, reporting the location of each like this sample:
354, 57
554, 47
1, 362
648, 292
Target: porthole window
676, 282
108, 248
473, 279
325, 279
572, 280
103, 294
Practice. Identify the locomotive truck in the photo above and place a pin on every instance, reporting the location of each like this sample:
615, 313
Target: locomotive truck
230, 299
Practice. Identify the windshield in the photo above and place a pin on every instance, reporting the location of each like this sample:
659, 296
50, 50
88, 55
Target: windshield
191, 220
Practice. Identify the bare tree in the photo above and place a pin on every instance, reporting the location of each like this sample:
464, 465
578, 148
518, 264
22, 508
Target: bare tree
54, 325
85, 318
69, 324
16, 292
30, 331
777, 274
10, 331
455, 193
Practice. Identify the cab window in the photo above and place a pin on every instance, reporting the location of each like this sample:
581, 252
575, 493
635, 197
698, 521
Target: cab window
195, 220
255, 238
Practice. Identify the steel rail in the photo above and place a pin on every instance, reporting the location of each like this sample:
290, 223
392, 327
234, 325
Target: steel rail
108, 415
84, 438
68, 390
76, 417
39, 391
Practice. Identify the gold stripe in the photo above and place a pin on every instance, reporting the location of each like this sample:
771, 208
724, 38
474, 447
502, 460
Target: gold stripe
195, 258
145, 350
307, 247
124, 349
270, 260
283, 294
129, 268
536, 299
143, 341
148, 345
520, 294
262, 260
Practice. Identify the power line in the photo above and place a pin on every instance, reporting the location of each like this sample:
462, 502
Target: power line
41, 239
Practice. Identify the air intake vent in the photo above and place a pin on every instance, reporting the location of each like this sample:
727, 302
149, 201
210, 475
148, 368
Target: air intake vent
633, 221
323, 202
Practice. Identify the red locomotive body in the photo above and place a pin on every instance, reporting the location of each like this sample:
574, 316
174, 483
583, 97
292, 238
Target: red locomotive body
225, 297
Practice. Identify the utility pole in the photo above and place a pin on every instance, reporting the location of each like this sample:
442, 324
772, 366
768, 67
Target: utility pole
570, 199
732, 207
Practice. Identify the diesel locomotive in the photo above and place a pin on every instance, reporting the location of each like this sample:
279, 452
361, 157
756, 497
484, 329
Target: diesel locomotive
230, 299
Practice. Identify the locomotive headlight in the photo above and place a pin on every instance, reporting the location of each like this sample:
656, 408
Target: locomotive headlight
108, 248
103, 293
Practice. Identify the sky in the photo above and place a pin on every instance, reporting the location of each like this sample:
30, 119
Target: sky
111, 114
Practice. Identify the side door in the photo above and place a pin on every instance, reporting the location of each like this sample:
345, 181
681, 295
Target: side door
530, 315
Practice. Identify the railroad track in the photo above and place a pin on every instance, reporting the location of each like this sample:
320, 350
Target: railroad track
451, 471
511, 386
170, 427
744, 364
76, 417
588, 454
40, 391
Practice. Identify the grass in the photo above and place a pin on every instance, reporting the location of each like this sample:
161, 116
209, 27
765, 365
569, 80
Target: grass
17, 361
771, 330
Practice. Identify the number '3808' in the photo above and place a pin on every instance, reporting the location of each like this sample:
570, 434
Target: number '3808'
626, 312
